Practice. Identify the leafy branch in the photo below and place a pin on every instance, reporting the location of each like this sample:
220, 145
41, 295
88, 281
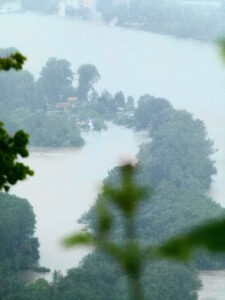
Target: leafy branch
12, 146
130, 254
210, 236
13, 61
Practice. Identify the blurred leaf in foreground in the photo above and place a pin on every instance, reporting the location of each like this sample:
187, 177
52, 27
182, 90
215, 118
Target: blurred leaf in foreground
129, 254
222, 46
210, 237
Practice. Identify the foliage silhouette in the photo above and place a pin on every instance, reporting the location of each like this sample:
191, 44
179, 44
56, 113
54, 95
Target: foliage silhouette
12, 146
13, 61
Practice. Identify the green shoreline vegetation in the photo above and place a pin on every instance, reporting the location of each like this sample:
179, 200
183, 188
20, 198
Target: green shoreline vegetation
179, 201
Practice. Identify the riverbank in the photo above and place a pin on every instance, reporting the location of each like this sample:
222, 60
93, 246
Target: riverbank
179, 20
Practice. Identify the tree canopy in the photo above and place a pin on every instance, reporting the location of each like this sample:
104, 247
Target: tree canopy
55, 82
19, 249
88, 75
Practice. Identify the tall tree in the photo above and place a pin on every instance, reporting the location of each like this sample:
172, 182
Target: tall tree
130, 104
119, 99
152, 113
55, 82
88, 75
17, 90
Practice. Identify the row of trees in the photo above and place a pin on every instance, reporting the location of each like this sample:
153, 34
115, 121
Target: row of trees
54, 85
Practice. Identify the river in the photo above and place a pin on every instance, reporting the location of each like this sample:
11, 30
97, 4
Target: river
188, 73
65, 185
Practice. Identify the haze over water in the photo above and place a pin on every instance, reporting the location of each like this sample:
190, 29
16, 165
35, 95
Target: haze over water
188, 73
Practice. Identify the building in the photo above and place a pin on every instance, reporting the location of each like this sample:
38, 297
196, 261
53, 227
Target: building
68, 105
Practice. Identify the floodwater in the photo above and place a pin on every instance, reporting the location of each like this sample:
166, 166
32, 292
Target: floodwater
65, 185
188, 73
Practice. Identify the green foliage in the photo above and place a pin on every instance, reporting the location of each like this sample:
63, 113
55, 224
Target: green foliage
12, 61
222, 45
129, 233
130, 256
99, 124
57, 130
177, 163
19, 249
162, 280
39, 290
179, 153
105, 105
152, 113
50, 102
17, 90
88, 75
11, 147
98, 278
120, 99
55, 82
20, 105
209, 236
79, 239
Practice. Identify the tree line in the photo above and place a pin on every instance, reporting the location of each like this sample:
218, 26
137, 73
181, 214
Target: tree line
176, 18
